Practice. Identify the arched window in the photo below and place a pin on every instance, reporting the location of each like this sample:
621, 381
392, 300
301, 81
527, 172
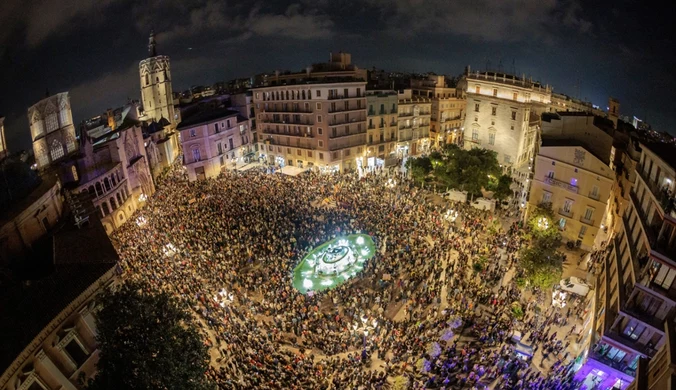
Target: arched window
113, 203
119, 199
106, 184
147, 79
99, 190
91, 191
104, 209
112, 179
56, 150
303, 94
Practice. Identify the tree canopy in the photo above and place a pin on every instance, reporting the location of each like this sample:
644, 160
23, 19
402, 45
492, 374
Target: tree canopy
467, 170
147, 341
540, 260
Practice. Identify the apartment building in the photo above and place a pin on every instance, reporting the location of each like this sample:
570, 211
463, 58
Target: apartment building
414, 113
448, 108
315, 118
213, 139
498, 113
658, 373
382, 128
577, 184
636, 290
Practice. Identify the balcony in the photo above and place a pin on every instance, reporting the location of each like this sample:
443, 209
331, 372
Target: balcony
361, 133
339, 97
629, 342
619, 366
665, 201
649, 230
343, 109
304, 121
370, 113
371, 127
303, 134
595, 196
562, 184
586, 220
632, 248
635, 311
405, 114
565, 213
474, 141
287, 111
343, 122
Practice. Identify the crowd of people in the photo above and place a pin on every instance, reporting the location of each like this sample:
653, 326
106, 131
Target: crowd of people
434, 296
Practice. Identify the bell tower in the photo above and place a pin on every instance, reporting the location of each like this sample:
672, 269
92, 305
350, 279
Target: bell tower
156, 91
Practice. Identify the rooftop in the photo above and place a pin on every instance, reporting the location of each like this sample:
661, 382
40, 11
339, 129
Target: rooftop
663, 150
32, 189
61, 267
206, 115
547, 141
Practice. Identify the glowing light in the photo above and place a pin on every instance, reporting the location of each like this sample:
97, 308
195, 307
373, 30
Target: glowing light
543, 223
360, 240
307, 283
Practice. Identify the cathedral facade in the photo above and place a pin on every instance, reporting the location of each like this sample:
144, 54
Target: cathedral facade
52, 130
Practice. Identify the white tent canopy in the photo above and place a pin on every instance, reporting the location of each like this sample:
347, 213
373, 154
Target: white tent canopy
292, 171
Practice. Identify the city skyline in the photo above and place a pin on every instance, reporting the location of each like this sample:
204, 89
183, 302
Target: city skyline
585, 52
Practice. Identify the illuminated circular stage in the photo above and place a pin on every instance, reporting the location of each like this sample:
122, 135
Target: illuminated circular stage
332, 263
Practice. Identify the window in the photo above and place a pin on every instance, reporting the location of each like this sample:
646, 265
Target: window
321, 143
321, 156
508, 159
476, 119
665, 276
51, 122
193, 133
546, 197
76, 353
195, 155
550, 174
318, 93
588, 214
583, 230
64, 118
495, 92
494, 111
513, 115
309, 154
333, 132
515, 96
511, 127
319, 106
477, 89
216, 127
319, 119
594, 192
299, 152
491, 138
476, 107
562, 223
347, 152
56, 150
492, 122
320, 131
475, 135
634, 329
230, 143
567, 206
220, 148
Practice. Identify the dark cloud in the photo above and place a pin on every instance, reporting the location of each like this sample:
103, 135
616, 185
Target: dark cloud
92, 48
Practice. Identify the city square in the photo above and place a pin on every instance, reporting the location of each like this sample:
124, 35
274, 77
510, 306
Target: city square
417, 313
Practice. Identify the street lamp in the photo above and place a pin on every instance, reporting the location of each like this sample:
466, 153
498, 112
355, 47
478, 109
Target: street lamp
365, 327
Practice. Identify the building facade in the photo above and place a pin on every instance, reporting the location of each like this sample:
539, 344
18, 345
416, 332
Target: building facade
243, 103
659, 373
637, 279
114, 168
382, 128
52, 130
213, 140
448, 108
577, 184
413, 124
309, 125
498, 113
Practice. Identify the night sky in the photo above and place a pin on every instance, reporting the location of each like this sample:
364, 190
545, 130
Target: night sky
92, 48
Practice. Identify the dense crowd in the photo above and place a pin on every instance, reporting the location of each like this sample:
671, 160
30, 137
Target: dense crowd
434, 291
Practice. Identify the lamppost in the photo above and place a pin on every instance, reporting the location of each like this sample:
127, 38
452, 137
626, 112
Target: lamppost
365, 327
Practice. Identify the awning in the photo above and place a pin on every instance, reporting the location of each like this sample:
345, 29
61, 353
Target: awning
292, 171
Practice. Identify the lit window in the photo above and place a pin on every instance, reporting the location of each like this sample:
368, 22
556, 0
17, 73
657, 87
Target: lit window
52, 122
56, 150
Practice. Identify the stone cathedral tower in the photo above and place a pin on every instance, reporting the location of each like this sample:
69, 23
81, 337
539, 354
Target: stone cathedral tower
156, 91
52, 130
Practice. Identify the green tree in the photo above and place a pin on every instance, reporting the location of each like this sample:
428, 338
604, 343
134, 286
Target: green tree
420, 167
502, 189
540, 260
147, 341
